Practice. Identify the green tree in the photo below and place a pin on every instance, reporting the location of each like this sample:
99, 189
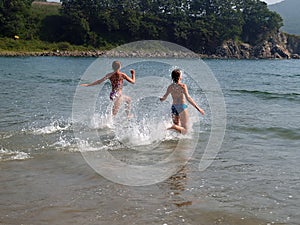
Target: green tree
200, 25
77, 14
214, 21
45, 22
259, 21
14, 16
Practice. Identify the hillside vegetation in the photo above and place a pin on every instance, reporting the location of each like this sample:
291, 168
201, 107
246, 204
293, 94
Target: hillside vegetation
200, 25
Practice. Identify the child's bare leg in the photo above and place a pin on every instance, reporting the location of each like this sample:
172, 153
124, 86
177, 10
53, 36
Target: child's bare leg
116, 106
183, 117
127, 106
175, 119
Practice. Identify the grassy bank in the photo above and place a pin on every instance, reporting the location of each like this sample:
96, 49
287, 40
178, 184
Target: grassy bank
9, 45
21, 46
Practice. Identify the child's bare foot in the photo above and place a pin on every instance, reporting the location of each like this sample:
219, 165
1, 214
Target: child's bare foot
177, 128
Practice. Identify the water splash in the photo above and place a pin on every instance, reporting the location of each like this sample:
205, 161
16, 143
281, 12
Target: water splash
54, 127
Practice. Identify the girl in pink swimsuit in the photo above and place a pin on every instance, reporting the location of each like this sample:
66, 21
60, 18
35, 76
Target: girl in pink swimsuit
116, 79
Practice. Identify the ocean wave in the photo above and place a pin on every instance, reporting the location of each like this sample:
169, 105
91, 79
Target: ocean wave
284, 133
270, 95
9, 155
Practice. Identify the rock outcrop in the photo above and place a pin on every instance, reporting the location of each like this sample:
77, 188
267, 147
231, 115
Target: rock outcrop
293, 45
278, 46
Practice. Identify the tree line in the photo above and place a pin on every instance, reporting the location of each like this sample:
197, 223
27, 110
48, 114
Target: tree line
200, 25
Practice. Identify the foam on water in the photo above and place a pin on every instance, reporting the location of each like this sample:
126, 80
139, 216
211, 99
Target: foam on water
146, 132
65, 143
8, 155
53, 127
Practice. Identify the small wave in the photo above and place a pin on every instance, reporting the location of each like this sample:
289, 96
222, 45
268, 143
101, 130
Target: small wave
65, 144
85, 146
270, 95
289, 134
5, 135
9, 155
55, 126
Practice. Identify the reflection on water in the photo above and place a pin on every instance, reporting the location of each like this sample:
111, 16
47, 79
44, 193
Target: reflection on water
177, 184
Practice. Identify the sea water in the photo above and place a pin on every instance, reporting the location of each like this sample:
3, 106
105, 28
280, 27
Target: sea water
254, 179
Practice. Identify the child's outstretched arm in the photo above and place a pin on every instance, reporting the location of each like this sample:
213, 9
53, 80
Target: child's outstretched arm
96, 82
191, 100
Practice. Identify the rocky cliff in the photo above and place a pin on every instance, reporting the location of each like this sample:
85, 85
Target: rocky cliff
277, 46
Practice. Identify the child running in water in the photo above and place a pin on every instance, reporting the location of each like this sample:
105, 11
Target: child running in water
116, 78
179, 93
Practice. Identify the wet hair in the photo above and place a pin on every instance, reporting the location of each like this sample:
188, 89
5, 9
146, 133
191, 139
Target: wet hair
116, 65
176, 75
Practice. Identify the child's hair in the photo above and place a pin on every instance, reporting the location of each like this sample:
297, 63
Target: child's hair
176, 75
116, 65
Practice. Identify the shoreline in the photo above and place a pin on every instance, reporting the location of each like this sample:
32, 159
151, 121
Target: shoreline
107, 53
131, 54
53, 53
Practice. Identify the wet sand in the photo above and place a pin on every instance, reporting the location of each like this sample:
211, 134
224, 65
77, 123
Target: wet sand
60, 188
